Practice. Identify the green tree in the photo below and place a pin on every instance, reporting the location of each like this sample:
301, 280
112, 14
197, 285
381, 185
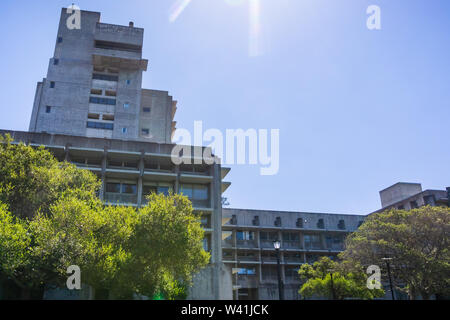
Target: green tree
52, 219
329, 279
418, 241
31, 179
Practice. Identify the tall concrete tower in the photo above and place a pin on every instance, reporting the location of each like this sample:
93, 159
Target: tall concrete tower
93, 86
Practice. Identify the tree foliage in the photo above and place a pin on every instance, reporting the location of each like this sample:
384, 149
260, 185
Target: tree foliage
418, 241
150, 251
333, 280
31, 179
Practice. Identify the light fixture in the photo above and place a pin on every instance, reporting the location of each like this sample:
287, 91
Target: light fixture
277, 244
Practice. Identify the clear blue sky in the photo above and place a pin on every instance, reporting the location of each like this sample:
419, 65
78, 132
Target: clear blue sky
358, 110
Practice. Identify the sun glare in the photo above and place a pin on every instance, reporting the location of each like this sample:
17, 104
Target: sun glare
254, 46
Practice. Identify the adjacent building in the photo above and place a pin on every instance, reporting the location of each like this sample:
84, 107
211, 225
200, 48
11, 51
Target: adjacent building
407, 196
249, 253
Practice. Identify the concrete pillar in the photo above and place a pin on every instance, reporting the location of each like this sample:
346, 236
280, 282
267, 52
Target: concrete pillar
103, 174
177, 180
140, 188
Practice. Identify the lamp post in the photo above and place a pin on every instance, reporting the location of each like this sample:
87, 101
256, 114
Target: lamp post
389, 275
277, 245
333, 292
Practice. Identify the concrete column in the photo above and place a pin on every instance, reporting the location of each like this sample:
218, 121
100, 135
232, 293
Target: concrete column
103, 174
323, 241
177, 180
216, 222
140, 188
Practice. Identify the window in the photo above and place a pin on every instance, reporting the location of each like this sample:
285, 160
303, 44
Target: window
55, 62
164, 190
320, 224
146, 131
247, 271
98, 100
52, 84
124, 130
245, 235
198, 194
105, 77
100, 125
255, 221
129, 188
109, 45
291, 237
413, 204
108, 117
113, 187
146, 110
121, 188
126, 105
60, 39
299, 223
277, 222
97, 91
312, 241
401, 207
149, 190
94, 116
429, 200
341, 225
128, 82
110, 93
48, 109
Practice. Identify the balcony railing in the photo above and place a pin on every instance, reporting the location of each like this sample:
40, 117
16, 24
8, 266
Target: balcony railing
247, 243
247, 258
291, 244
120, 198
248, 281
266, 244
227, 244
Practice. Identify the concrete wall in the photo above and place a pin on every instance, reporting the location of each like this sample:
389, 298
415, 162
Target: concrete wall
398, 192
78, 59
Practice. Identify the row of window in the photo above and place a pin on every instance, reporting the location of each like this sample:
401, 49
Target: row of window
100, 100
100, 125
193, 192
299, 224
106, 77
290, 239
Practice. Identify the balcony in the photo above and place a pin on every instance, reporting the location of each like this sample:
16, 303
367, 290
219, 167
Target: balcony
121, 198
246, 244
291, 244
248, 281
227, 243
267, 244
254, 258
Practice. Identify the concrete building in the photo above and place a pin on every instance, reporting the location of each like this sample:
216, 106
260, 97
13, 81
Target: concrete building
91, 110
93, 86
407, 196
129, 170
248, 251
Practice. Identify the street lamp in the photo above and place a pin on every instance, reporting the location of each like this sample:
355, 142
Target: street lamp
389, 274
277, 245
333, 292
